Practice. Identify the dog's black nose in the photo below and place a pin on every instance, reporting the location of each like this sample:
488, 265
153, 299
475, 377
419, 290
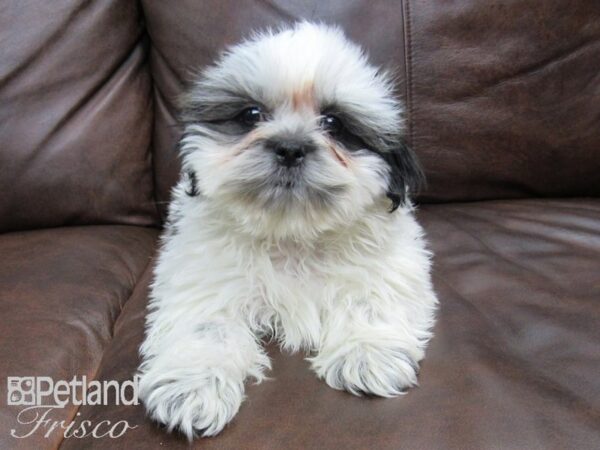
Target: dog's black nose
289, 153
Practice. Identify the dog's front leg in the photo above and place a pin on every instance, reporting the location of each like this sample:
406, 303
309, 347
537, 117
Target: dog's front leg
194, 366
369, 348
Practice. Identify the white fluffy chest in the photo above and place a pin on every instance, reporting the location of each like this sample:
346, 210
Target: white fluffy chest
289, 295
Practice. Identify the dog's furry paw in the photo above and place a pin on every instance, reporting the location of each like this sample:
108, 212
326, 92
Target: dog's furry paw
193, 405
367, 369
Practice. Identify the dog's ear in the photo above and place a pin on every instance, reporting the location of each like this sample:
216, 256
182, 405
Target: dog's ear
406, 175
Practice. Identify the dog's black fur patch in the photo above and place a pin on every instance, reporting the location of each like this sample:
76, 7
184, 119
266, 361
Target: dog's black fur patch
192, 189
406, 174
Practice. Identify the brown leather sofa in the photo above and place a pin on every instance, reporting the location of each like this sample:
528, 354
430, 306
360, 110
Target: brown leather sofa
503, 108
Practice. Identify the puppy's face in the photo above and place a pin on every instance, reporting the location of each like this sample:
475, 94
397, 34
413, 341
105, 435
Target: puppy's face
295, 133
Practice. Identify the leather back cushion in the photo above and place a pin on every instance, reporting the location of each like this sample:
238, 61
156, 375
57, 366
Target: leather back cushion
502, 97
187, 35
75, 114
505, 97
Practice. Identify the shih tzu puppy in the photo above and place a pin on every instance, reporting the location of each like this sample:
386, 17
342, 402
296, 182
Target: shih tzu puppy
292, 219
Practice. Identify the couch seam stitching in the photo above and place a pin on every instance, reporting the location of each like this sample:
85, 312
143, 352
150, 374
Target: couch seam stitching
408, 58
151, 149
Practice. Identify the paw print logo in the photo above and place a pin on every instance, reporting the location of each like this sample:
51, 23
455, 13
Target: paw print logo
21, 391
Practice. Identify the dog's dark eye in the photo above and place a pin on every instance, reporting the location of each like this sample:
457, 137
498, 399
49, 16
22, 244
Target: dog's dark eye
331, 124
251, 116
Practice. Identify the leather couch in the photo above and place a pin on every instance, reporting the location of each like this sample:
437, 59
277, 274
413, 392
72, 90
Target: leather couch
503, 109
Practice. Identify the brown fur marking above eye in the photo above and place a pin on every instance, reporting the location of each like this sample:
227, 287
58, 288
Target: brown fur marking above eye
304, 97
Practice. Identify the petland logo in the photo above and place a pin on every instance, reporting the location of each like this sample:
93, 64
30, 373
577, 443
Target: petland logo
42, 395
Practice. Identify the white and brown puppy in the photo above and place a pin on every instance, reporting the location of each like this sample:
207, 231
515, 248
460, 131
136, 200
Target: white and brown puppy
292, 219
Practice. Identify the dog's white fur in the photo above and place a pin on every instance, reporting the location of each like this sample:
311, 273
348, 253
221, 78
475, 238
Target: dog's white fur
342, 277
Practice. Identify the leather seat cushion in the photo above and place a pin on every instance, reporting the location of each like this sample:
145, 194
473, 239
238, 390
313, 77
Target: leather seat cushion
514, 361
61, 291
